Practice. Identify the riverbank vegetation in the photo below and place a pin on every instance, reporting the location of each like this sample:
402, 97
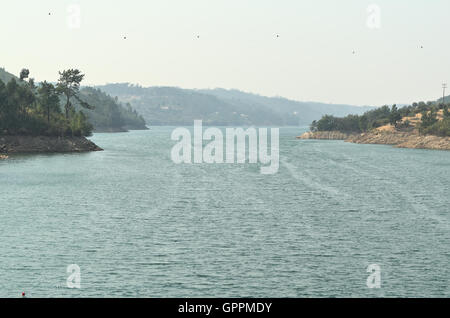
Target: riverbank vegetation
60, 109
432, 118
30, 109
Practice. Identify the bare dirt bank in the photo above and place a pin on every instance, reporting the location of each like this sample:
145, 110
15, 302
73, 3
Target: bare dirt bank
44, 144
397, 139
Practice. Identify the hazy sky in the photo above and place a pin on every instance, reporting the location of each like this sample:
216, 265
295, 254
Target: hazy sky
312, 59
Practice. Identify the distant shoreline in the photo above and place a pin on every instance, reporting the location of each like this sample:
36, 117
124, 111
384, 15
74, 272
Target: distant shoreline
17, 144
44, 144
124, 129
411, 140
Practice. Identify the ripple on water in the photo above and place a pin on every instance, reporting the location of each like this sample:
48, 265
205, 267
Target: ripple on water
139, 225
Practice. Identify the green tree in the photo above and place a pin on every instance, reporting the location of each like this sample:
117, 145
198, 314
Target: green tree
80, 126
26, 98
48, 99
429, 118
69, 85
394, 116
446, 112
11, 106
24, 73
3, 107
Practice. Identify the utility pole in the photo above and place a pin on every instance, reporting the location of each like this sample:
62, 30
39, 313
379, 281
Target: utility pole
444, 86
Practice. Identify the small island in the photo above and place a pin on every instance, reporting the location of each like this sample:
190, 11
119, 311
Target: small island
55, 118
418, 126
33, 121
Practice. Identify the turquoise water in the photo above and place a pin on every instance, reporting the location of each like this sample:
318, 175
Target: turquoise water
140, 226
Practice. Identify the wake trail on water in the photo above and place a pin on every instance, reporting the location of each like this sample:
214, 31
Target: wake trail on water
417, 207
309, 182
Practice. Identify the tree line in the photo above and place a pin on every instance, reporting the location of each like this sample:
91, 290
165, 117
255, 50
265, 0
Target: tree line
429, 123
109, 114
44, 109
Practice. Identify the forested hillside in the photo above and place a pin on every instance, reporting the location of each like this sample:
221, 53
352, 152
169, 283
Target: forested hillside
5, 77
109, 115
104, 113
432, 118
35, 110
176, 106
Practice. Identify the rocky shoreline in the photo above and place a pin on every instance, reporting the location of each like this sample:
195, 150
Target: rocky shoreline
44, 144
397, 139
325, 135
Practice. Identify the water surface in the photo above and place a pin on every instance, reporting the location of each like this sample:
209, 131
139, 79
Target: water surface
140, 226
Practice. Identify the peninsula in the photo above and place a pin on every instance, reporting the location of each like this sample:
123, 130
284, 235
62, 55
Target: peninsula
419, 126
43, 118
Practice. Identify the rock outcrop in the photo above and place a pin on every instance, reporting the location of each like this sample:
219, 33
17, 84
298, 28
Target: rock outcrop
44, 144
402, 140
398, 139
326, 135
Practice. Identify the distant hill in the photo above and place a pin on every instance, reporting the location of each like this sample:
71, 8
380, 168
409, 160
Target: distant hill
293, 111
109, 115
447, 100
5, 76
176, 106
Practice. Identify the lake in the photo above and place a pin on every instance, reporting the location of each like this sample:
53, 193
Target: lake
138, 225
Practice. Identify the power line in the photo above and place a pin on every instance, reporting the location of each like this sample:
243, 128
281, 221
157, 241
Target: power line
444, 86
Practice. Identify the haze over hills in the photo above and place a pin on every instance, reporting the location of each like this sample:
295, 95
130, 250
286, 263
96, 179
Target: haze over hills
177, 106
109, 115
303, 111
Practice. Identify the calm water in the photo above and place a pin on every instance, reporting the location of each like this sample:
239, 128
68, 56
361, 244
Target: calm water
140, 226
